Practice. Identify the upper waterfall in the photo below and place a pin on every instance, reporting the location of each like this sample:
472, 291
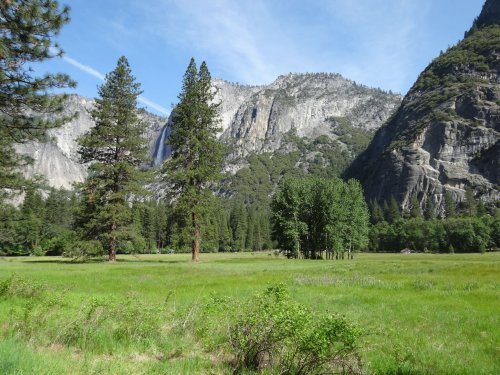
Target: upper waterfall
162, 150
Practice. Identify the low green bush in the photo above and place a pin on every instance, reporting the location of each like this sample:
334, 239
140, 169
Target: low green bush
82, 250
273, 332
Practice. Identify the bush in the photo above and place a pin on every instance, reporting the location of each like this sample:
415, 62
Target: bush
59, 244
37, 251
84, 249
273, 332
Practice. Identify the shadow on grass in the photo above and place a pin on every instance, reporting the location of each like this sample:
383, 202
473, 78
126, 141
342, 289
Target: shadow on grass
138, 260
63, 261
94, 261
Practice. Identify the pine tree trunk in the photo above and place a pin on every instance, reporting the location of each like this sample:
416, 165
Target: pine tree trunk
112, 246
196, 238
112, 250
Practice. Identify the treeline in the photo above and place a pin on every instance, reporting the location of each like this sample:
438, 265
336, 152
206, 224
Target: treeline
227, 225
306, 222
467, 227
38, 226
48, 224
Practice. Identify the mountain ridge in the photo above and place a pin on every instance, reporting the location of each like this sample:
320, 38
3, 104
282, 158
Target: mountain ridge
444, 136
309, 104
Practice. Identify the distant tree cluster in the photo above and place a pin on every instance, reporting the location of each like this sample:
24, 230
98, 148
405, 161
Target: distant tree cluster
467, 227
316, 218
226, 226
39, 226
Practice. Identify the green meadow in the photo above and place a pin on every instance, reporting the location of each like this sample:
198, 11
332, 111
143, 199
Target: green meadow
147, 314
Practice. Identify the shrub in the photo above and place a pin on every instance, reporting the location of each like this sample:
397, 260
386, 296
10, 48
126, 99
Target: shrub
14, 286
271, 331
59, 244
83, 249
38, 251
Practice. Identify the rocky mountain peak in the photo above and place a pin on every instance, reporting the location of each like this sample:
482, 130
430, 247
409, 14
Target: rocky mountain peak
445, 135
306, 104
490, 14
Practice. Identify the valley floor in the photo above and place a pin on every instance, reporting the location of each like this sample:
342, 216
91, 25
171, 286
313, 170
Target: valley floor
419, 313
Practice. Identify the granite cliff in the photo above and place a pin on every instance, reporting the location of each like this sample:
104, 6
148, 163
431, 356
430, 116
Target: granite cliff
306, 105
57, 160
445, 135
254, 119
257, 119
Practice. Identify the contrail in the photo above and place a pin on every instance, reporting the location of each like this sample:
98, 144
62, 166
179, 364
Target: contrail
95, 73
153, 105
84, 68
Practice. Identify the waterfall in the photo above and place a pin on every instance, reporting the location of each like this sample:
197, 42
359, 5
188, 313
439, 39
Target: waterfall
161, 147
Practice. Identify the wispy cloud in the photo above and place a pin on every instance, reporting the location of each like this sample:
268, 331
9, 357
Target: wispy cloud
95, 73
241, 39
84, 68
153, 105
255, 41
383, 37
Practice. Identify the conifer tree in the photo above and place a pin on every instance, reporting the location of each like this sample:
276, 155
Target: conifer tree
415, 208
196, 158
31, 223
161, 211
376, 214
27, 30
116, 149
58, 212
257, 236
265, 231
392, 212
470, 204
449, 205
430, 211
249, 238
225, 235
238, 221
481, 209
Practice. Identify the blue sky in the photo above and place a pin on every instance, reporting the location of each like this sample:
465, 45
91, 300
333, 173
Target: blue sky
380, 43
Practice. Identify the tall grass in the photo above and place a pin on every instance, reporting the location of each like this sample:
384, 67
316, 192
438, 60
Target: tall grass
420, 313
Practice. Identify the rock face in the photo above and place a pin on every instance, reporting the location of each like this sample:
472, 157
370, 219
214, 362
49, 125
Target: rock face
253, 119
445, 135
305, 104
257, 118
230, 96
57, 160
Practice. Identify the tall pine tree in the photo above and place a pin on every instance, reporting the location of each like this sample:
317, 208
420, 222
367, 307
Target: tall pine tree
116, 149
470, 203
415, 212
27, 30
392, 212
449, 205
196, 157
429, 211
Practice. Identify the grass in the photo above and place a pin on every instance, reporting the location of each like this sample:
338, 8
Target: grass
420, 313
